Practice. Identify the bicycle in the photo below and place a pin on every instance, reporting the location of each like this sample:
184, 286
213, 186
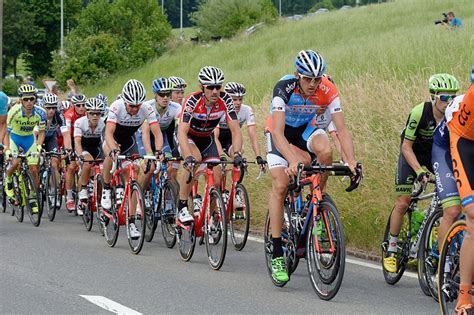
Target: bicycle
3, 195
449, 267
25, 192
212, 215
61, 188
407, 246
238, 211
160, 203
312, 230
90, 205
128, 205
48, 185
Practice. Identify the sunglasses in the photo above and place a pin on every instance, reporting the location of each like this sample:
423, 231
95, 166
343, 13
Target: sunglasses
164, 94
28, 99
95, 113
134, 106
212, 87
310, 79
80, 105
50, 108
446, 97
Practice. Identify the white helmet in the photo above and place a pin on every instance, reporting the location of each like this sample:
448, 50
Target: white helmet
133, 92
178, 83
50, 100
65, 105
235, 89
211, 76
95, 104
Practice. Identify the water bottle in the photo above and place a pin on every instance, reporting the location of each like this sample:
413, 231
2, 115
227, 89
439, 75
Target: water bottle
119, 194
417, 218
197, 202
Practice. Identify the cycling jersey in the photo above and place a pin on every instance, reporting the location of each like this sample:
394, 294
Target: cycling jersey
419, 128
71, 116
244, 115
462, 122
315, 110
91, 139
52, 126
21, 125
204, 119
3, 104
168, 117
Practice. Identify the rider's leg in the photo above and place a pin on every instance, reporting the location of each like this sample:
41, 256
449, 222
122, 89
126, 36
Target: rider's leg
185, 188
70, 173
467, 260
450, 215
318, 143
85, 176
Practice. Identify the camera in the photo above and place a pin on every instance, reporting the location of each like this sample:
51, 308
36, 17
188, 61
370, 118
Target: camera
443, 21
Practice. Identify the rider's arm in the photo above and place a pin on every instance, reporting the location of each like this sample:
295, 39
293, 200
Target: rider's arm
410, 157
410, 135
183, 128
155, 129
109, 136
345, 138
253, 139
78, 145
3, 128
236, 135
146, 136
67, 139
40, 137
220, 151
279, 139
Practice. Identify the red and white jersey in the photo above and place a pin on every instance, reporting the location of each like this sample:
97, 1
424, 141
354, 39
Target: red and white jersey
126, 124
71, 116
244, 115
89, 137
204, 119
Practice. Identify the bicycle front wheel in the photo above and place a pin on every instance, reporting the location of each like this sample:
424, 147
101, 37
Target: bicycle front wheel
215, 227
428, 256
136, 218
168, 212
449, 267
98, 184
150, 210
325, 250
87, 215
32, 199
240, 218
3, 195
50, 189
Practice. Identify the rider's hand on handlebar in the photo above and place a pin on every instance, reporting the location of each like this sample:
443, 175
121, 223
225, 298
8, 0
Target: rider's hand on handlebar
356, 177
292, 169
423, 176
261, 162
223, 158
188, 162
238, 160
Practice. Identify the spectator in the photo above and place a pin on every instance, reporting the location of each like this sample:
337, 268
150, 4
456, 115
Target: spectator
72, 88
453, 21
29, 80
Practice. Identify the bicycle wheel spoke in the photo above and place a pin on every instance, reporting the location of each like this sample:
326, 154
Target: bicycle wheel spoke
215, 230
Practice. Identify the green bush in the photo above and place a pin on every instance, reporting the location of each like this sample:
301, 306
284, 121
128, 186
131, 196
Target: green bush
10, 87
112, 36
225, 18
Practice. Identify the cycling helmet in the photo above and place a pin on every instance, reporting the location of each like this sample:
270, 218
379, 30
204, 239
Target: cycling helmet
211, 76
78, 99
27, 89
162, 85
95, 104
235, 89
133, 92
442, 82
310, 63
65, 105
50, 100
179, 83
103, 98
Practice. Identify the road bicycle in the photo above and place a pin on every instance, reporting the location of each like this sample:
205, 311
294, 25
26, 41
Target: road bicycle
26, 195
312, 229
449, 267
49, 185
160, 202
128, 203
410, 239
3, 195
209, 224
90, 205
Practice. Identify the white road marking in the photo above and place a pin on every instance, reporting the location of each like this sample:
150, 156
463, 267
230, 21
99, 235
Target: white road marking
109, 305
349, 260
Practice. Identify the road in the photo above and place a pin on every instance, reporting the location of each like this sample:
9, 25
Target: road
48, 270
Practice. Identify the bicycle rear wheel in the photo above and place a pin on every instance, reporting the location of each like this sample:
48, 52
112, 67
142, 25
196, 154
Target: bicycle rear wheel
326, 266
428, 256
18, 208
98, 207
448, 269
3, 195
168, 214
32, 199
50, 189
186, 237
403, 247
138, 217
111, 225
240, 218
268, 248
215, 227
151, 220
87, 216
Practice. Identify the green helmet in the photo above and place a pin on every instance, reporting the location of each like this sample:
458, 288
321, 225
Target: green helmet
443, 82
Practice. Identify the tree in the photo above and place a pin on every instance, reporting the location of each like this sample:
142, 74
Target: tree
172, 10
225, 18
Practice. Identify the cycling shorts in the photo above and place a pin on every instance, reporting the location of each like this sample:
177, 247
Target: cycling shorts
462, 151
27, 143
50, 144
405, 175
95, 152
295, 136
207, 146
443, 170
225, 138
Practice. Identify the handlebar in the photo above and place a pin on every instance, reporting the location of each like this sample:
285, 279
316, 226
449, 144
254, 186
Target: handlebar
420, 187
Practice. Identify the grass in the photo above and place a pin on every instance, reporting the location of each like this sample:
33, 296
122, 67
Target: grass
380, 56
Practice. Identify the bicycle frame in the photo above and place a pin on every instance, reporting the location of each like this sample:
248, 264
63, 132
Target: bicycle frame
237, 177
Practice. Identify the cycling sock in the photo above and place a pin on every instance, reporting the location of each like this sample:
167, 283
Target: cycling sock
182, 204
465, 294
69, 194
277, 249
392, 244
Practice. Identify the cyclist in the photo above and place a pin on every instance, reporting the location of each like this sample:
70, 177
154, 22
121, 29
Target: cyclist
104, 100
179, 85
301, 109
414, 161
4, 102
126, 115
88, 143
77, 110
22, 119
461, 127
54, 121
166, 112
199, 117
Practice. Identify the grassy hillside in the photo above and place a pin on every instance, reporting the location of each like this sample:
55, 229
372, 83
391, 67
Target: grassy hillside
380, 57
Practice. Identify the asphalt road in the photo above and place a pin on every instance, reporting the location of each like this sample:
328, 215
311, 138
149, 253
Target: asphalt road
48, 270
